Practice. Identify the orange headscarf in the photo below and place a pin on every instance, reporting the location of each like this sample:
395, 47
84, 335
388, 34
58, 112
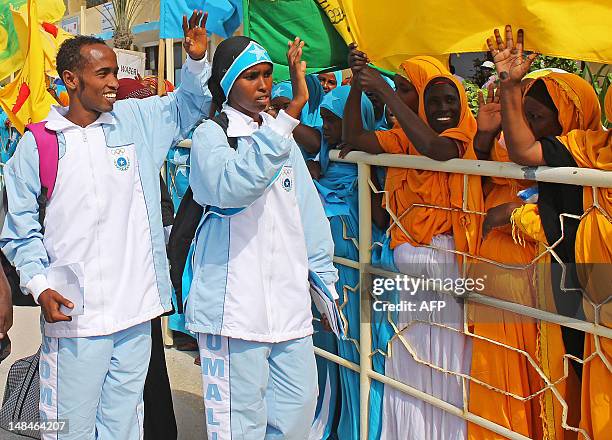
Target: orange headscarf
467, 228
575, 99
578, 108
418, 70
591, 147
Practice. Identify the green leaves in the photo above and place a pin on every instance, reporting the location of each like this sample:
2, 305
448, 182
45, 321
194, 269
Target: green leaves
601, 81
471, 91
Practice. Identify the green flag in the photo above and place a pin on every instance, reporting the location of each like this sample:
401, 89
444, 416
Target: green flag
273, 23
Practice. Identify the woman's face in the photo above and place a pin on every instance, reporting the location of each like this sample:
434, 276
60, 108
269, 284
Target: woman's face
542, 119
328, 81
407, 93
250, 93
332, 127
442, 106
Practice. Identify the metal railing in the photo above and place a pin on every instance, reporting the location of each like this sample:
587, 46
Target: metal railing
575, 176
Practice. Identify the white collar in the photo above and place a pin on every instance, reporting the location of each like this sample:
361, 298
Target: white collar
241, 125
56, 119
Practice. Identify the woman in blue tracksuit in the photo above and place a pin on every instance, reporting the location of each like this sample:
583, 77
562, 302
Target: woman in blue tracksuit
263, 234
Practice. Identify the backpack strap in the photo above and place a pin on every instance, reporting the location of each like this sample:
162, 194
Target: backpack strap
223, 121
48, 158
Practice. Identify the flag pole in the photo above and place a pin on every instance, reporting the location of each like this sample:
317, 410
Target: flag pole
161, 90
161, 67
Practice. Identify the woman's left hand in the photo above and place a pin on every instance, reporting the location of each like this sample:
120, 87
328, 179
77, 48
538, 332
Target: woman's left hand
498, 216
297, 72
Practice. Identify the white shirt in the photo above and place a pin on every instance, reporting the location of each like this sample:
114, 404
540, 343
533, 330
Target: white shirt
97, 218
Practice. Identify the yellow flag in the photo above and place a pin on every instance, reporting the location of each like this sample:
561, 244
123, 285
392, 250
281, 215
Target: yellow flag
52, 38
394, 30
51, 35
11, 57
14, 33
26, 98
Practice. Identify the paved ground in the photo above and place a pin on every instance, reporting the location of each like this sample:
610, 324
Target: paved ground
185, 377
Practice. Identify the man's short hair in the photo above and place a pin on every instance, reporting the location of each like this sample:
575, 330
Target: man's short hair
69, 54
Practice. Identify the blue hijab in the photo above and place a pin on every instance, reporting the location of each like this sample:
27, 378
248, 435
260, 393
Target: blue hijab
282, 89
310, 114
335, 101
338, 75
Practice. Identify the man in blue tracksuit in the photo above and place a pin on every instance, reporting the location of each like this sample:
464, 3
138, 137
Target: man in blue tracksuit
263, 232
103, 240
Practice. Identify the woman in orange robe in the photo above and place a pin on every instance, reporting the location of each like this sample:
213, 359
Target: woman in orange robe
593, 149
591, 246
505, 369
424, 239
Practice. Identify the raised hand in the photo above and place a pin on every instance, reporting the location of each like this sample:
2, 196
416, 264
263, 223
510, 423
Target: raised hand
194, 31
357, 59
510, 62
489, 111
297, 72
370, 80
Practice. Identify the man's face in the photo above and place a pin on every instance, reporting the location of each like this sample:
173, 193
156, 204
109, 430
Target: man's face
94, 84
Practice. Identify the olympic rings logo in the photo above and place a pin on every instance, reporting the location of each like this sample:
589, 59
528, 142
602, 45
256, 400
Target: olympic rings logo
117, 151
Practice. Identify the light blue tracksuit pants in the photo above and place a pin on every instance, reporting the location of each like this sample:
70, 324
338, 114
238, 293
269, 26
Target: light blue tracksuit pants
256, 390
96, 384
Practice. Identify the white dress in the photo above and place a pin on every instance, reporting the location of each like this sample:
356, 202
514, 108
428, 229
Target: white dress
404, 416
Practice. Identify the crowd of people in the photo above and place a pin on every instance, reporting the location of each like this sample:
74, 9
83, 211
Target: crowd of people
275, 210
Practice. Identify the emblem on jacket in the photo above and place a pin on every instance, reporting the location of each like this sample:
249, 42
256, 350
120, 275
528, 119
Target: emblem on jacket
286, 178
122, 163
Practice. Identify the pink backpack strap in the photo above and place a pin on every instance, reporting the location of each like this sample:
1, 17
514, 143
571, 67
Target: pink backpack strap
48, 155
48, 158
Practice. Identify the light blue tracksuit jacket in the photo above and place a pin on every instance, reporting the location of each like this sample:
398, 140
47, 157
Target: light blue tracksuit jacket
229, 181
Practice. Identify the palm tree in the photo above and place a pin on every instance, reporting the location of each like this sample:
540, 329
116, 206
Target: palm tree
122, 19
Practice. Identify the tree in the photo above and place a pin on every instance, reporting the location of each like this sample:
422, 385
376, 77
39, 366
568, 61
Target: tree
122, 18
544, 62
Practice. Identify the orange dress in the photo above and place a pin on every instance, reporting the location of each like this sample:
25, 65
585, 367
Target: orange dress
593, 149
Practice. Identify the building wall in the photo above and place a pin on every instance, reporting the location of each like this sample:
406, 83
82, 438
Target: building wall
146, 38
73, 6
